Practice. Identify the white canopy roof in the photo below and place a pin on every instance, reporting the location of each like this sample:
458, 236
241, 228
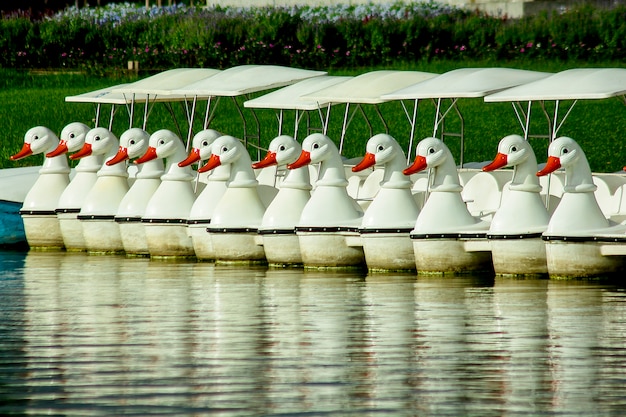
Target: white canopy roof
290, 97
466, 83
369, 87
246, 79
105, 96
112, 95
164, 82
573, 84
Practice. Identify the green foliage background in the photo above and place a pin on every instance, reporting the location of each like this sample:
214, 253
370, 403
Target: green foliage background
83, 50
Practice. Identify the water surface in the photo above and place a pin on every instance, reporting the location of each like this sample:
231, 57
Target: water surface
107, 335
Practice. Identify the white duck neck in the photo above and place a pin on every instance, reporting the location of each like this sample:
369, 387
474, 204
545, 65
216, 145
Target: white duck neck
55, 165
578, 178
525, 175
172, 171
446, 176
331, 172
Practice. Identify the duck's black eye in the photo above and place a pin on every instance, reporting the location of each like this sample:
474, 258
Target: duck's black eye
316, 145
96, 138
161, 142
513, 148
132, 141
35, 137
431, 150
380, 148
565, 150
72, 135
205, 143
281, 148
224, 149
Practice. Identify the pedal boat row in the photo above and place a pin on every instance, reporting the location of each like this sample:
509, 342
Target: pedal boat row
304, 204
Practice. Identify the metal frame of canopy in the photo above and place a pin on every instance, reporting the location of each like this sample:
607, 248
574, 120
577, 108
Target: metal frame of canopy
159, 88
458, 84
368, 88
241, 81
291, 98
569, 85
148, 91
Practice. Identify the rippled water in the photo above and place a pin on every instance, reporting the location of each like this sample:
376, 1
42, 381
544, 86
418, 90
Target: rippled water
110, 336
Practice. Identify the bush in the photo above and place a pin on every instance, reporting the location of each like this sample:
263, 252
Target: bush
100, 39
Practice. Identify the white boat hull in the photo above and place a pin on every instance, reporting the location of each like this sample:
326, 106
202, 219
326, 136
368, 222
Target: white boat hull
102, 236
449, 256
71, 230
168, 240
282, 249
133, 235
201, 241
567, 259
519, 257
43, 231
388, 251
329, 250
237, 247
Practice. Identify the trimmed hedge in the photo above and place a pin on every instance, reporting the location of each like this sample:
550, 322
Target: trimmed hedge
102, 39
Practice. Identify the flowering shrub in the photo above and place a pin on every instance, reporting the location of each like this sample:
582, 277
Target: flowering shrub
314, 37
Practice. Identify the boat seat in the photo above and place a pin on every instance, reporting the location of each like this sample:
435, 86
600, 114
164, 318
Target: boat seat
483, 192
609, 193
267, 176
465, 174
369, 188
420, 183
266, 193
371, 185
354, 183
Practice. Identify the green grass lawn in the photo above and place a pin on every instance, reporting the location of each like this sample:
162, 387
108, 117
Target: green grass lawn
27, 100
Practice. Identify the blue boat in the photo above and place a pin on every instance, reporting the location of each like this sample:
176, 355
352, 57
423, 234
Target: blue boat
14, 184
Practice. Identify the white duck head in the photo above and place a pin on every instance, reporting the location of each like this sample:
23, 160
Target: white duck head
98, 141
38, 139
433, 153
200, 147
228, 150
72, 139
134, 143
382, 149
565, 152
284, 150
319, 148
165, 144
514, 151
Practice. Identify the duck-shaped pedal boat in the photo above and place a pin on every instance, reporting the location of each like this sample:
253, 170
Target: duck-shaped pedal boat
72, 139
445, 233
41, 225
238, 214
133, 144
391, 216
580, 241
278, 226
97, 213
202, 209
517, 226
328, 230
165, 217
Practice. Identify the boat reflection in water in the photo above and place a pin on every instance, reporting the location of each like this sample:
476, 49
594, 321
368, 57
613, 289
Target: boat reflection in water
114, 335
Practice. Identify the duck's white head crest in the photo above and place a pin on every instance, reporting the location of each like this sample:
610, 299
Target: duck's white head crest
380, 149
98, 141
37, 140
283, 150
201, 147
